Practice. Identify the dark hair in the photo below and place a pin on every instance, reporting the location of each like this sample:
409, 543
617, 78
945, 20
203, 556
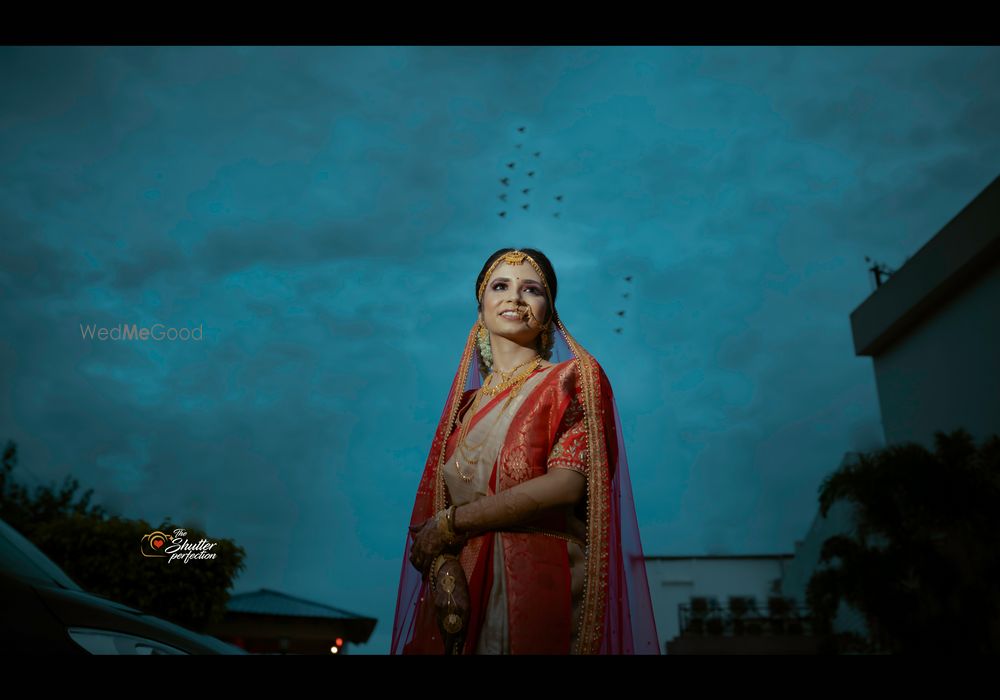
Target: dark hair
543, 262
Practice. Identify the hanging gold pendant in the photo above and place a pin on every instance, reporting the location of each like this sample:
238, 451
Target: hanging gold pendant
452, 623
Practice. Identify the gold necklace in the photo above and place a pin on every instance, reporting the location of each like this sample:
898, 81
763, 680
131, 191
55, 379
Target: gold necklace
463, 445
467, 420
464, 449
465, 425
464, 435
507, 379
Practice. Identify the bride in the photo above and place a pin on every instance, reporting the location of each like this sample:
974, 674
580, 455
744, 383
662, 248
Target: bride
523, 537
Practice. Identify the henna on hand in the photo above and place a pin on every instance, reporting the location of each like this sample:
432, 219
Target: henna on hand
428, 543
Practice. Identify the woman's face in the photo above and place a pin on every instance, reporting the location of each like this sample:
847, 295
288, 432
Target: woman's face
515, 287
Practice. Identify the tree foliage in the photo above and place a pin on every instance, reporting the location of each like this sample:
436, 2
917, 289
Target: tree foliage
101, 552
922, 563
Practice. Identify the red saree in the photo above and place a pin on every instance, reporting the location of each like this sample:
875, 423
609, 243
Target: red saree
568, 419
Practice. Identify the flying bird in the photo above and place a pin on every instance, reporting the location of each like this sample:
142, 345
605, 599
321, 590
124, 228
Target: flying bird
510, 165
618, 330
503, 197
517, 145
629, 278
621, 313
504, 181
503, 213
625, 295
521, 129
559, 197
537, 153
524, 206
526, 190
556, 215
531, 173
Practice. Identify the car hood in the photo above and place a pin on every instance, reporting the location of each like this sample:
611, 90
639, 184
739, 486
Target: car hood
82, 609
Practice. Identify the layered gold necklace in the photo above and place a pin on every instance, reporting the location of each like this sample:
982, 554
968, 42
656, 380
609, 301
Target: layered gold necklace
508, 378
511, 380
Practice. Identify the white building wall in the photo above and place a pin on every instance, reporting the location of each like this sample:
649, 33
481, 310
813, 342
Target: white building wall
674, 580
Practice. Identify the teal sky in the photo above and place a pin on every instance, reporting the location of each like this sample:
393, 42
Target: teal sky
322, 213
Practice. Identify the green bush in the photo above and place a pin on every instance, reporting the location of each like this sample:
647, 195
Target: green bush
102, 553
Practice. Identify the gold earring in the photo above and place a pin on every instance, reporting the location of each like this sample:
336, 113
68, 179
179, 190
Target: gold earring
483, 340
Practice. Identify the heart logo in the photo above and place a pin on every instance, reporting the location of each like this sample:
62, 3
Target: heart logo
157, 543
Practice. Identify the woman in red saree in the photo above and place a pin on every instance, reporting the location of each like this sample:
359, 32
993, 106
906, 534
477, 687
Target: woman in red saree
523, 537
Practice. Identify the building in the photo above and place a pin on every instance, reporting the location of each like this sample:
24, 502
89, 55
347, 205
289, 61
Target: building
727, 605
932, 330
271, 622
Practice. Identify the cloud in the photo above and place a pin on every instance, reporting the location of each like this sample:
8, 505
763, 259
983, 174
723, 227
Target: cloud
323, 213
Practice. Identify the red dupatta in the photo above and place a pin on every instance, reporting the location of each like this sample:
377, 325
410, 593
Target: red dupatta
616, 611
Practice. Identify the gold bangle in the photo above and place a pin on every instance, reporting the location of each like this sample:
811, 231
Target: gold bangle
444, 520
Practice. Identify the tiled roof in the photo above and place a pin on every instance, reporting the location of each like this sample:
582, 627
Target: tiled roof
268, 602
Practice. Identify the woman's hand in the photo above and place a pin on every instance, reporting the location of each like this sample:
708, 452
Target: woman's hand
457, 603
428, 543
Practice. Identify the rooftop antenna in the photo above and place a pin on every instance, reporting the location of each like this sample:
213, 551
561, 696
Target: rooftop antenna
878, 270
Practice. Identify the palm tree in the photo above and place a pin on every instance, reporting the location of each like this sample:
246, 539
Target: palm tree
923, 562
